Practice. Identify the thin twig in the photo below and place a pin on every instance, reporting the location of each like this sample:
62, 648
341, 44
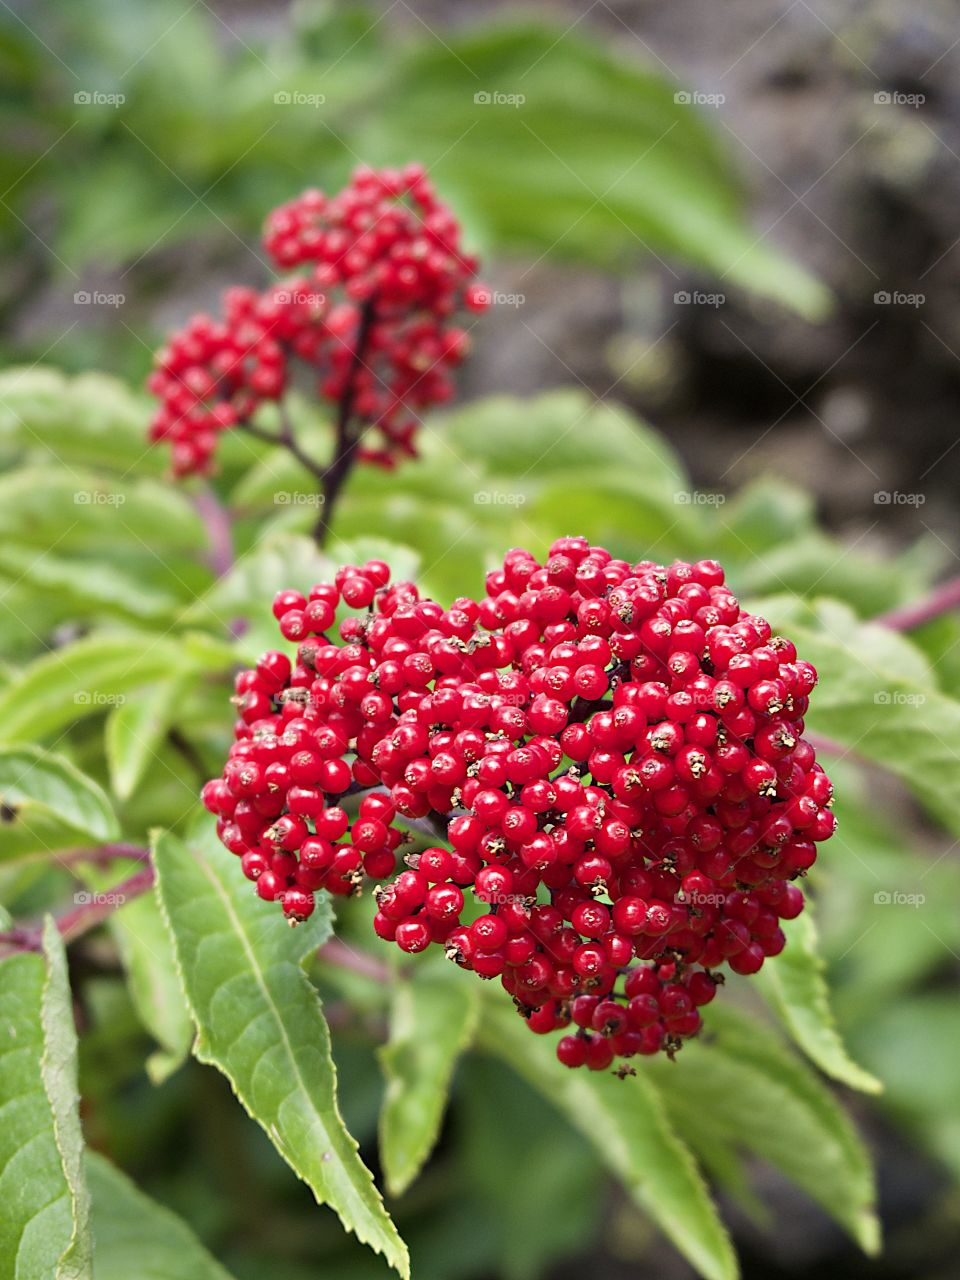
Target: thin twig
941, 600
346, 442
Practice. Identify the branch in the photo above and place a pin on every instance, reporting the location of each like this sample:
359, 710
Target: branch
941, 600
342, 956
345, 448
216, 521
91, 910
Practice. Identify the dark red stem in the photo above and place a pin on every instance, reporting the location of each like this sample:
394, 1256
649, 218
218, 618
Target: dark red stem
346, 441
941, 600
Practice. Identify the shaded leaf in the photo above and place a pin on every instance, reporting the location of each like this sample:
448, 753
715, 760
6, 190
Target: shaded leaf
259, 1021
433, 1018
796, 986
626, 1122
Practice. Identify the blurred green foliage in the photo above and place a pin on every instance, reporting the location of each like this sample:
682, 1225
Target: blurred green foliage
97, 625
191, 125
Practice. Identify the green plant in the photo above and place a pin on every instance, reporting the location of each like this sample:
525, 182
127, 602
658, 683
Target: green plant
110, 727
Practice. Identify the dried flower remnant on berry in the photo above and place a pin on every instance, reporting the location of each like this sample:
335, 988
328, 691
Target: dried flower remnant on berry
379, 277
614, 750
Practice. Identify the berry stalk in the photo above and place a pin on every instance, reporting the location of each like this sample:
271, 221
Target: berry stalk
943, 599
347, 440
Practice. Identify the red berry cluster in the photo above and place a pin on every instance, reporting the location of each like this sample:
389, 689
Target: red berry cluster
612, 753
381, 274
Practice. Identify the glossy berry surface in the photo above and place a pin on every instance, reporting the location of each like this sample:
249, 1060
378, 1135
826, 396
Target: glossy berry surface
378, 275
609, 758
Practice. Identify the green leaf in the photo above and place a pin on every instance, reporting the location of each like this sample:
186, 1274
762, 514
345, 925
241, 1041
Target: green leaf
626, 1122
741, 1087
597, 160
59, 1070
86, 677
866, 701
46, 1231
433, 1018
92, 420
134, 730
795, 985
135, 1236
35, 782
146, 951
259, 1021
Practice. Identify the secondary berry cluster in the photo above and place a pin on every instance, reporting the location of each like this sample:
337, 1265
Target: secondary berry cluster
379, 275
612, 757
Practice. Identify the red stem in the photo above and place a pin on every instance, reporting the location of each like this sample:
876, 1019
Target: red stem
87, 915
345, 448
941, 600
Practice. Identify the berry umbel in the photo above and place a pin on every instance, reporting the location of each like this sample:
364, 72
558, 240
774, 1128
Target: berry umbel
611, 753
378, 277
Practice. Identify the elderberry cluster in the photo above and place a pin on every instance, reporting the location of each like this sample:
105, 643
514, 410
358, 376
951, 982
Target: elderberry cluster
612, 753
380, 273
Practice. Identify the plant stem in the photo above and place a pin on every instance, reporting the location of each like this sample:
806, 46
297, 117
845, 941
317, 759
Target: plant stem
216, 521
941, 600
346, 442
341, 956
88, 914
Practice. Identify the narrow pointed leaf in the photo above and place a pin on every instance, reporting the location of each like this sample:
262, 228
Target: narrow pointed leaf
135, 1236
260, 1022
795, 985
37, 784
627, 1123
743, 1089
433, 1018
44, 1227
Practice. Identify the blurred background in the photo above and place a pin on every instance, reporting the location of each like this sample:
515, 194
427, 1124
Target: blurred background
739, 220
